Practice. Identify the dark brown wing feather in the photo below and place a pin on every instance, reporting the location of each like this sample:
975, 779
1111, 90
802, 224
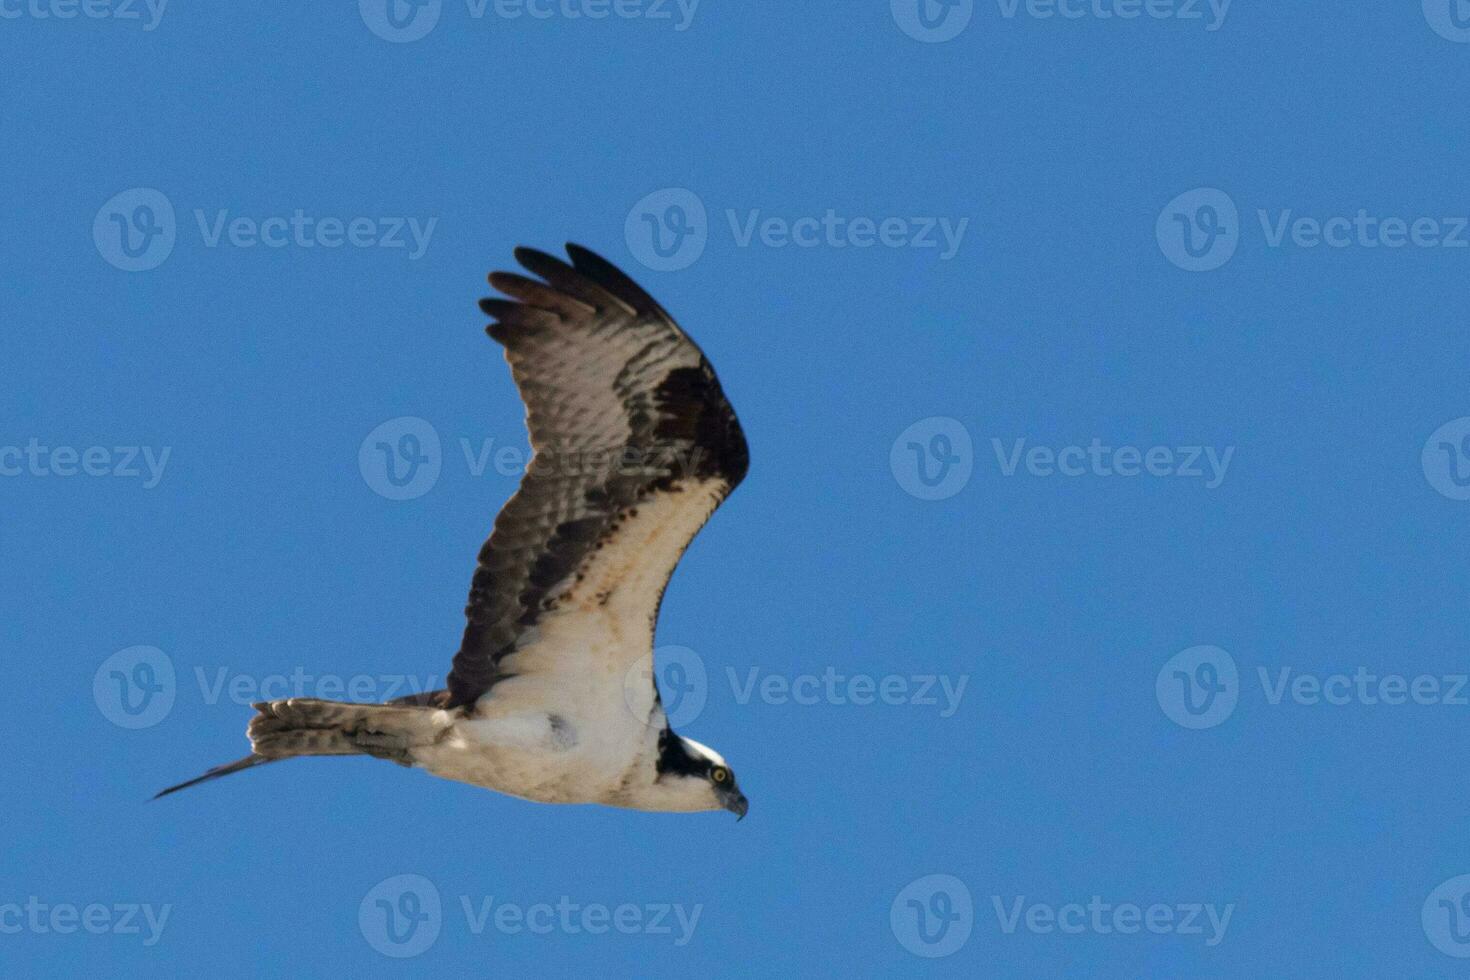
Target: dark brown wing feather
620, 405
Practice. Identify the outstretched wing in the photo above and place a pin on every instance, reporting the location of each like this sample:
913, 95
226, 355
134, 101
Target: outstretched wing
635, 446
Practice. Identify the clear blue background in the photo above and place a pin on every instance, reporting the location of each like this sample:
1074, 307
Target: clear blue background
1060, 320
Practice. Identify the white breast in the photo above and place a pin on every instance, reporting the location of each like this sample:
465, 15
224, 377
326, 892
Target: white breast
578, 711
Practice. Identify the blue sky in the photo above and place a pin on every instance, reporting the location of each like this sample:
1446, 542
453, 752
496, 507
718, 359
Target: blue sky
1096, 602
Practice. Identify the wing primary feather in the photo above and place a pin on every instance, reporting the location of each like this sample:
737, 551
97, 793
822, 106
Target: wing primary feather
569, 280
614, 280
539, 294
514, 317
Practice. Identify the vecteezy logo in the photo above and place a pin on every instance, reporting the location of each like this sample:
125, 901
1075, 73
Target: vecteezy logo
400, 21
667, 230
135, 230
1199, 230
1446, 917
401, 458
933, 458
1449, 18
932, 917
683, 684
932, 21
1198, 687
401, 916
135, 688
1446, 459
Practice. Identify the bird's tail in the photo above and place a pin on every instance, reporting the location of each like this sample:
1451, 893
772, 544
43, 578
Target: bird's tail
307, 726
238, 765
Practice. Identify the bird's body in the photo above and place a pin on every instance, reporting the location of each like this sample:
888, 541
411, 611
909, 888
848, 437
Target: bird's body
552, 696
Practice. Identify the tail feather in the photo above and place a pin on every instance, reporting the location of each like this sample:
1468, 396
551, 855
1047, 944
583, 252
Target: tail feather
238, 765
295, 727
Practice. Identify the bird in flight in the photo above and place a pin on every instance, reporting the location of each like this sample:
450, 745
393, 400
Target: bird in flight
552, 696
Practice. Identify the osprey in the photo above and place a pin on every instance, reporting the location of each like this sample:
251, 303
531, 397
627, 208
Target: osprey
550, 698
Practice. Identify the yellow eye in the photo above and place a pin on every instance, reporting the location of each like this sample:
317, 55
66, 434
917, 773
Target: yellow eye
720, 775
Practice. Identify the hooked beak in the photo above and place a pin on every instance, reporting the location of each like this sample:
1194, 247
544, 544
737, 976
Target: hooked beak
736, 803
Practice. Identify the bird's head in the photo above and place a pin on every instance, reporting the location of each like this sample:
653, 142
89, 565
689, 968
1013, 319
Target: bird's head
694, 777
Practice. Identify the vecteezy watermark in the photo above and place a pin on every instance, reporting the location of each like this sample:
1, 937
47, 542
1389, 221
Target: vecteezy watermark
1200, 687
402, 459
223, 683
1446, 459
403, 917
95, 918
1206, 463
135, 687
682, 684
137, 229
941, 691
301, 230
120, 462
1099, 918
1362, 686
138, 687
401, 21
669, 229
1446, 917
1200, 230
684, 687
936, 21
1450, 19
1211, 13
933, 458
932, 916
148, 13
568, 918
932, 21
